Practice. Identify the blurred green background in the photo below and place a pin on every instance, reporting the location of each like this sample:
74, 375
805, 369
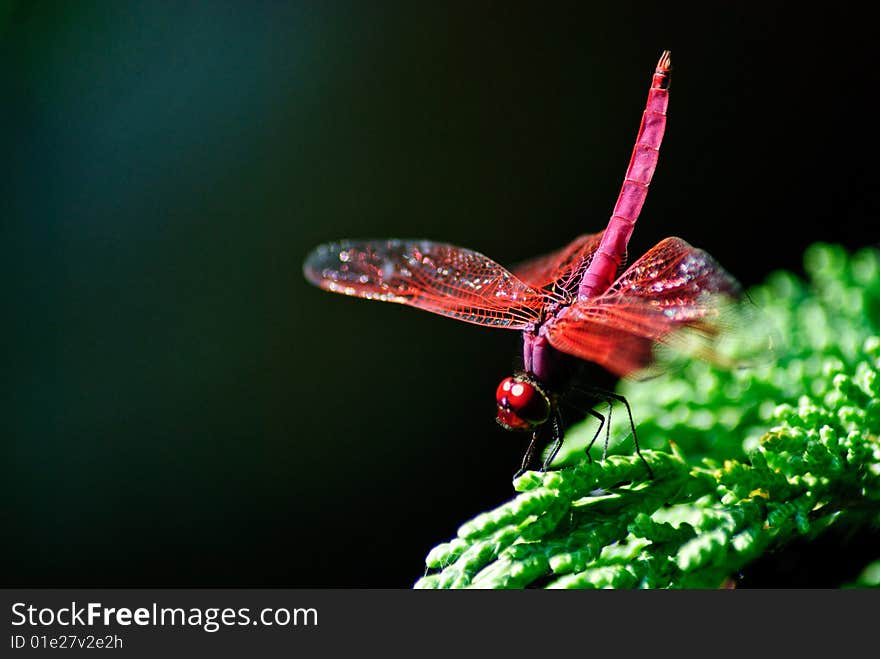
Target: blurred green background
182, 409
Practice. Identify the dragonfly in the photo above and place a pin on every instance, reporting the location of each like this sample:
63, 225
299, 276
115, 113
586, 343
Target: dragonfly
578, 304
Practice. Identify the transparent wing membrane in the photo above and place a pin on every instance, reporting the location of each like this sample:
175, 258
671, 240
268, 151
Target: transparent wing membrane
436, 277
675, 300
560, 271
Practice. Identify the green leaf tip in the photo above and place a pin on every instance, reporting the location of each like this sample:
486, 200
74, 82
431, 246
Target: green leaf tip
745, 461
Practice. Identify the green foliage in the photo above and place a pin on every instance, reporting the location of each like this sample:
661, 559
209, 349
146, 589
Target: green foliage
745, 460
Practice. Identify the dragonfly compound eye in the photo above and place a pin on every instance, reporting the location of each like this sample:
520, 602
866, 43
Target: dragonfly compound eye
521, 404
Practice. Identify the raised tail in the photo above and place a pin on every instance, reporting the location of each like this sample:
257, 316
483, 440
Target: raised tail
612, 250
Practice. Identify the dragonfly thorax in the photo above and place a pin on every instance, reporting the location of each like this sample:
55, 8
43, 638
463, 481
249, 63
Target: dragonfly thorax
522, 403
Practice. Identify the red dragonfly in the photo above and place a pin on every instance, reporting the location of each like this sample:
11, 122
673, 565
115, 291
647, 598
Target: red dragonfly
575, 304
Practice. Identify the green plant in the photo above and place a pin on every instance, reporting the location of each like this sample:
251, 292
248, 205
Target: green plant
744, 460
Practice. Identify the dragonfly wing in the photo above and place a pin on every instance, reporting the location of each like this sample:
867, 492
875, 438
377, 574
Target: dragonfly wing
443, 279
675, 296
562, 268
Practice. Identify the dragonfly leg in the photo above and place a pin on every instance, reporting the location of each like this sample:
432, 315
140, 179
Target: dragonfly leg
598, 430
597, 395
608, 433
527, 458
558, 436
632, 425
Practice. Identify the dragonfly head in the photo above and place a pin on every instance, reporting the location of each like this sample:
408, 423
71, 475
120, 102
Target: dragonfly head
522, 403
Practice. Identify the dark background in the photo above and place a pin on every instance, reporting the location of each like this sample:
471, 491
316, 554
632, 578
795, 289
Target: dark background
182, 409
